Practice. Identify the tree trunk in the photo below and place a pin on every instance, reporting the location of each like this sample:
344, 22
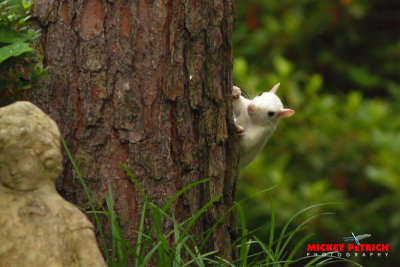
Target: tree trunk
148, 84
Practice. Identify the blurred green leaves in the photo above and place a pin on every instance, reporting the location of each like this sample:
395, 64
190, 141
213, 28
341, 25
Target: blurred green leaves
20, 68
338, 64
13, 50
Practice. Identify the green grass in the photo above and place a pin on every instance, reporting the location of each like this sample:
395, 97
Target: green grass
179, 247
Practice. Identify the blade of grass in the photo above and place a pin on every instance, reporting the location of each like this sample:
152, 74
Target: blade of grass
116, 236
271, 230
296, 248
149, 254
199, 261
224, 261
298, 229
210, 231
267, 250
339, 260
201, 211
203, 256
162, 258
239, 240
133, 179
243, 244
140, 234
178, 247
288, 223
99, 226
310, 263
317, 258
183, 190
146, 200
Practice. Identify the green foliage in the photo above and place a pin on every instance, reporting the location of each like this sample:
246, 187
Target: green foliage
337, 62
85, 189
20, 69
179, 247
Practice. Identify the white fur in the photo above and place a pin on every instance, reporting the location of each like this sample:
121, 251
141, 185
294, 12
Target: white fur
255, 123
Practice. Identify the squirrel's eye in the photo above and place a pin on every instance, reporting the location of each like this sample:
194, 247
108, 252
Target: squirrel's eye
260, 94
271, 113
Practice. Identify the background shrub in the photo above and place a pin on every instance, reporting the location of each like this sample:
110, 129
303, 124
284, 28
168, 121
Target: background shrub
20, 67
338, 64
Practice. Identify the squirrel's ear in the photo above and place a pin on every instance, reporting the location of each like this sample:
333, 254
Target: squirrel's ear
275, 88
286, 112
251, 108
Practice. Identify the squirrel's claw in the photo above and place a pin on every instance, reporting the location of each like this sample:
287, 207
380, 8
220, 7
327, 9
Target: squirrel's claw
236, 93
239, 129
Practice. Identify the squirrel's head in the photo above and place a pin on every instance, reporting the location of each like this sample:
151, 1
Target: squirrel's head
267, 108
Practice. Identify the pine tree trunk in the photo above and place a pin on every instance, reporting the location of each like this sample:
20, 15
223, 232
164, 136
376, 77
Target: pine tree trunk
147, 84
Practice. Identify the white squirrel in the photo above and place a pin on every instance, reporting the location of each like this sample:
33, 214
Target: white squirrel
256, 120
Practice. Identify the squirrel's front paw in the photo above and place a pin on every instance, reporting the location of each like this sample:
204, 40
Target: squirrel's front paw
239, 129
236, 93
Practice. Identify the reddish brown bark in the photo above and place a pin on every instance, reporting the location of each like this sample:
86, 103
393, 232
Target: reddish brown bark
148, 84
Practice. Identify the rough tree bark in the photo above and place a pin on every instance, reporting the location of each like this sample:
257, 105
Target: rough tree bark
148, 84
